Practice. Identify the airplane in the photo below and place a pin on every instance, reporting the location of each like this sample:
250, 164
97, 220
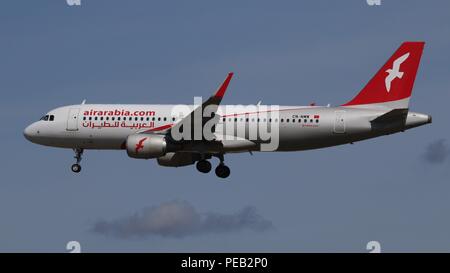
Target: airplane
153, 131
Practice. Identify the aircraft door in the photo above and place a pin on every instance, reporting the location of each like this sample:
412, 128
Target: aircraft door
72, 119
339, 122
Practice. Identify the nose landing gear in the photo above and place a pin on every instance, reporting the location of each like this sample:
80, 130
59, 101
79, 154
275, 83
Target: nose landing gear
76, 168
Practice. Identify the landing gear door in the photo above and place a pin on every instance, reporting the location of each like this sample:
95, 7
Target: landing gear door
339, 122
72, 119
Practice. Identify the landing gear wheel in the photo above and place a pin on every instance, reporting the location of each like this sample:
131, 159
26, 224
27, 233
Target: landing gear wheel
222, 171
203, 166
76, 168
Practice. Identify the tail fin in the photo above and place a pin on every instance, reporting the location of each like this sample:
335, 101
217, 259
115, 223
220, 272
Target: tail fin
392, 85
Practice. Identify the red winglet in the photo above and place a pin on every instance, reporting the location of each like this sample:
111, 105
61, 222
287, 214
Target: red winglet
223, 88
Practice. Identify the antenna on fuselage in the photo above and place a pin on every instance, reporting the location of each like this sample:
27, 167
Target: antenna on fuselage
83, 102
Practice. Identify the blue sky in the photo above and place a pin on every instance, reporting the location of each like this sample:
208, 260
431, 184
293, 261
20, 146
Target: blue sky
282, 52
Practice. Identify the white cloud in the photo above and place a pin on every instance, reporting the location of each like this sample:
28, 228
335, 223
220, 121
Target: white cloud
180, 219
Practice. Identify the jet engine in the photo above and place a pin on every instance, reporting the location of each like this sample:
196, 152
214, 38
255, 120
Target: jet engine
146, 146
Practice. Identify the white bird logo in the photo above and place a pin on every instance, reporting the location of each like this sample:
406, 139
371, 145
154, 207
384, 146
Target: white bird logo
395, 71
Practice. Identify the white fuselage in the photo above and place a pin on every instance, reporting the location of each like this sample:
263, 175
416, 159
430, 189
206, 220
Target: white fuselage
107, 126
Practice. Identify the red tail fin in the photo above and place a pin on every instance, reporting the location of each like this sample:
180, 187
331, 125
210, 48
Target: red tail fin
395, 80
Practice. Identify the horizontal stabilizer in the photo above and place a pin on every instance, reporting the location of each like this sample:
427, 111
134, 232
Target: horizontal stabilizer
393, 119
393, 115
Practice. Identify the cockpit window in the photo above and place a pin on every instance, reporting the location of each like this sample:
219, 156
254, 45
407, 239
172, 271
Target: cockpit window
48, 118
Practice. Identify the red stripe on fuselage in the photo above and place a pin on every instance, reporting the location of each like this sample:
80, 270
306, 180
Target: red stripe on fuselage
160, 128
267, 111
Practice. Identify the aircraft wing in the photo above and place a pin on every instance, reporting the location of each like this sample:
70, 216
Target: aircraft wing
210, 107
211, 104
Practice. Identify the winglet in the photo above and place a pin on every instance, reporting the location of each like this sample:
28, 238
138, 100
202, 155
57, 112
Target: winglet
223, 88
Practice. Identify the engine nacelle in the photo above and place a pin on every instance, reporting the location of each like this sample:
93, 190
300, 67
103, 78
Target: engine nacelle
178, 159
146, 146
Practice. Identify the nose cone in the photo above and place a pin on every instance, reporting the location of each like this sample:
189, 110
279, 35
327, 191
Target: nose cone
30, 132
27, 133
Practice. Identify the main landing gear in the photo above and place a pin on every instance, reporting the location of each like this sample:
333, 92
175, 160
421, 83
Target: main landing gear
203, 166
222, 171
76, 168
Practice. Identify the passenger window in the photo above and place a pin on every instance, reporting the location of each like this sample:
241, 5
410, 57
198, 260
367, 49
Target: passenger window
84, 118
159, 119
96, 118
90, 118
101, 118
281, 120
165, 118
